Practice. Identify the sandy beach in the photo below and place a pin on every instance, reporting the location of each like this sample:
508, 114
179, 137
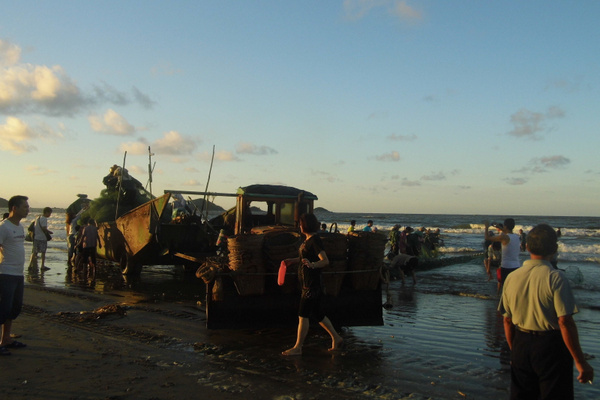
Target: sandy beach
139, 345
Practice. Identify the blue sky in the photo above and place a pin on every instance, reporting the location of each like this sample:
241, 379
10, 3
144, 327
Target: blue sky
463, 107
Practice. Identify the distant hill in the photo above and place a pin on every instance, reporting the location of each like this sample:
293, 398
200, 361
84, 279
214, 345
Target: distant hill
322, 210
211, 206
3, 203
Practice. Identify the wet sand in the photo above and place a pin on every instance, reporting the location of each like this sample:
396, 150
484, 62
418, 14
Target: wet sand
153, 346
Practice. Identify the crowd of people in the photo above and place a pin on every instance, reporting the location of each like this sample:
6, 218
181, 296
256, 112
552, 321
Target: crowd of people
537, 305
406, 246
82, 242
422, 242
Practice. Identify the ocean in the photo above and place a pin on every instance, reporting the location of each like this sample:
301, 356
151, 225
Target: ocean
462, 234
445, 329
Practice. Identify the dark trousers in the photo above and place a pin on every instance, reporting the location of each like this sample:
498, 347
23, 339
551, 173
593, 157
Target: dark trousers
541, 367
11, 296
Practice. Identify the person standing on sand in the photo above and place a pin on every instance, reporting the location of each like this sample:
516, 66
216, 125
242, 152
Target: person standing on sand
523, 239
72, 231
312, 259
89, 240
40, 238
538, 306
511, 247
12, 262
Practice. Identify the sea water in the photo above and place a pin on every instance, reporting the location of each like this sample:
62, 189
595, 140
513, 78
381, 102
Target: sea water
580, 240
579, 245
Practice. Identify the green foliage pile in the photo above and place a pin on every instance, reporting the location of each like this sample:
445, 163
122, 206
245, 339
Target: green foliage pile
104, 208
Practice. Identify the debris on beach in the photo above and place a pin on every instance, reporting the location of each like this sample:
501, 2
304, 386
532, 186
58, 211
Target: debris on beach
101, 312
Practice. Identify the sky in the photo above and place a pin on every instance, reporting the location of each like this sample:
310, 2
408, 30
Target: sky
375, 106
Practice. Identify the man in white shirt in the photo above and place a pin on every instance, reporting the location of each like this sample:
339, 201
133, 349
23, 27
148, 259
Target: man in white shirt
12, 261
40, 238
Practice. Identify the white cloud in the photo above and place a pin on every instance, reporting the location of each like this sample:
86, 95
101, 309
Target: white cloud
434, 177
554, 161
391, 156
357, 9
544, 164
39, 171
165, 69
249, 148
192, 182
402, 10
135, 148
137, 170
174, 143
111, 123
516, 181
527, 124
10, 54
402, 138
219, 156
406, 182
15, 136
28, 88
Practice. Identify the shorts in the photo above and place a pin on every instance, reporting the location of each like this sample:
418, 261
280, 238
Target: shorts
11, 296
504, 273
39, 246
89, 253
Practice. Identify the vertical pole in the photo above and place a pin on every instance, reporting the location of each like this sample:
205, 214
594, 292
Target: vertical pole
204, 203
119, 186
150, 169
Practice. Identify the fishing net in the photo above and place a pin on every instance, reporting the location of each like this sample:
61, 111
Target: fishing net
280, 245
574, 275
365, 254
247, 263
336, 247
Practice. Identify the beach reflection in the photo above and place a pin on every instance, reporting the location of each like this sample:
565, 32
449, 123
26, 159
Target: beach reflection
440, 336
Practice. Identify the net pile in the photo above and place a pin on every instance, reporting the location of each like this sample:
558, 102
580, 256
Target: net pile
246, 262
336, 248
365, 253
278, 246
